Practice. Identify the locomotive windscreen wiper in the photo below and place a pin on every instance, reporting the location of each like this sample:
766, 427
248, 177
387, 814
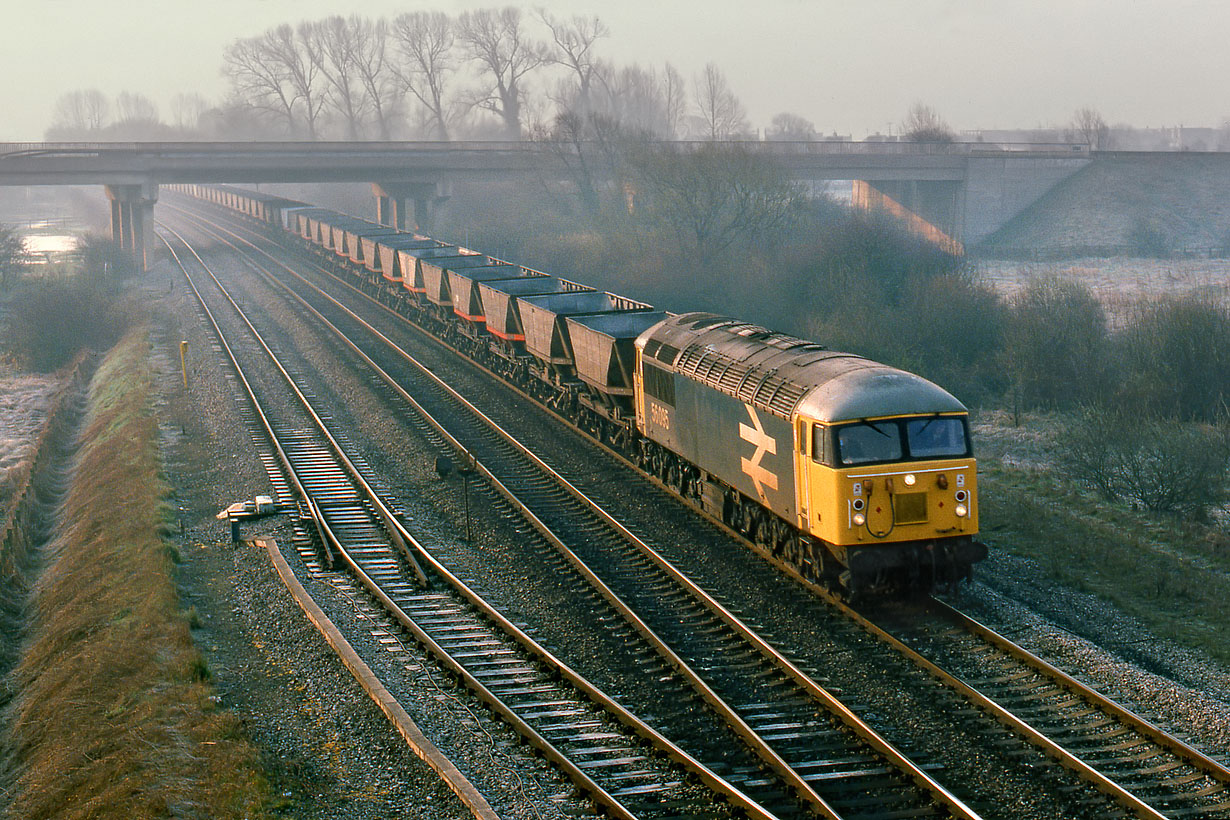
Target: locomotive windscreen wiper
873, 427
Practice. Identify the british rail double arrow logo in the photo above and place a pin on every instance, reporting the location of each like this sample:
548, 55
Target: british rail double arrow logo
755, 435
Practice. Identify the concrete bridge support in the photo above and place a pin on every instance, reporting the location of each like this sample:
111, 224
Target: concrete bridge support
934, 209
409, 206
132, 218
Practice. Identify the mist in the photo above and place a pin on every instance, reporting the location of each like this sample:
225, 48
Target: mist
851, 69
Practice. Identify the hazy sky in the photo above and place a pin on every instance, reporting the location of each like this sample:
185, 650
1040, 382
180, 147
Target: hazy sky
853, 66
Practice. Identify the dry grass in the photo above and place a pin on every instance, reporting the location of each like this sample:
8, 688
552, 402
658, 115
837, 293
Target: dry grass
1171, 573
113, 715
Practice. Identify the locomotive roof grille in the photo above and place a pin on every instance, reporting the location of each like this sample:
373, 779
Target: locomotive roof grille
765, 389
665, 353
783, 374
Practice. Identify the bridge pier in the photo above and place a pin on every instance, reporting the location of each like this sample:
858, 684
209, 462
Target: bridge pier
408, 206
132, 218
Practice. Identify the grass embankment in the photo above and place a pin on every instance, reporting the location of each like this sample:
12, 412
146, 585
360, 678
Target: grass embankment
113, 714
1171, 573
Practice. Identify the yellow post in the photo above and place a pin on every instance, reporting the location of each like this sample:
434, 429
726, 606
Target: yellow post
183, 365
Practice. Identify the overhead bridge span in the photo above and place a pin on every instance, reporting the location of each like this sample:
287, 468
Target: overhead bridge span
951, 192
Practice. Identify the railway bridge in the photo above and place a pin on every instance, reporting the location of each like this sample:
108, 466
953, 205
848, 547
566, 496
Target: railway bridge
950, 192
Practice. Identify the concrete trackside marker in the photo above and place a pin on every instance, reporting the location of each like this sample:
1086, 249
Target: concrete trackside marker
405, 725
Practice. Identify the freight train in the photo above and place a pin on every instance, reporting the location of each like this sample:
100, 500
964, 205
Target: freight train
855, 475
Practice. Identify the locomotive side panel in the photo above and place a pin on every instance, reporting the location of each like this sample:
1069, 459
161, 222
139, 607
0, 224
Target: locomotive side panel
744, 446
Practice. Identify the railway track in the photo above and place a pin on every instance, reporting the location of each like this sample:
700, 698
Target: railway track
1164, 780
1149, 771
624, 767
806, 741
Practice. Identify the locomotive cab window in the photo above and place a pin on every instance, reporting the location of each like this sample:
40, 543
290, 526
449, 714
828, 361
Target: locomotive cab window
868, 442
820, 447
936, 437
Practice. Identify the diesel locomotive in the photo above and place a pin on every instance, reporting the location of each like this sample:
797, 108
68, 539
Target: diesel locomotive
853, 474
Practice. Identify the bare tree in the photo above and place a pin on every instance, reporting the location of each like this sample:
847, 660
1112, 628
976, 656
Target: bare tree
574, 42
1089, 127
373, 63
258, 81
133, 108
640, 100
425, 41
187, 111
78, 112
715, 196
674, 97
495, 40
720, 110
274, 73
333, 46
923, 124
787, 127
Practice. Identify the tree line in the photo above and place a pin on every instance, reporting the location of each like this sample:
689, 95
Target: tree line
488, 73
497, 73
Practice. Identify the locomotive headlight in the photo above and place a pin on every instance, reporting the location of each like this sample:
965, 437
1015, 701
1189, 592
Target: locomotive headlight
961, 496
909, 479
857, 504
859, 519
961, 511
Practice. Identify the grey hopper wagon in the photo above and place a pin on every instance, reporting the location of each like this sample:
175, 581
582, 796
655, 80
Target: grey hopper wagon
546, 329
344, 230
274, 211
356, 248
435, 274
503, 311
337, 233
321, 227
309, 223
463, 285
605, 348
412, 267
387, 261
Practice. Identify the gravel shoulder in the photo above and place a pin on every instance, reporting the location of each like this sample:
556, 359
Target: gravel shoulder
325, 747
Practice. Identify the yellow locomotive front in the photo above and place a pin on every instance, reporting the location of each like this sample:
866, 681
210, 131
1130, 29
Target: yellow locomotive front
893, 497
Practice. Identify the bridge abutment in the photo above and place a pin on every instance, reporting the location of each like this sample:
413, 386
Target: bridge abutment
132, 218
934, 209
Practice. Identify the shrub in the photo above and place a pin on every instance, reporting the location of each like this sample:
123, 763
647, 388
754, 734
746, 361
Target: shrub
1149, 238
1177, 355
871, 288
1056, 349
51, 319
1156, 463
